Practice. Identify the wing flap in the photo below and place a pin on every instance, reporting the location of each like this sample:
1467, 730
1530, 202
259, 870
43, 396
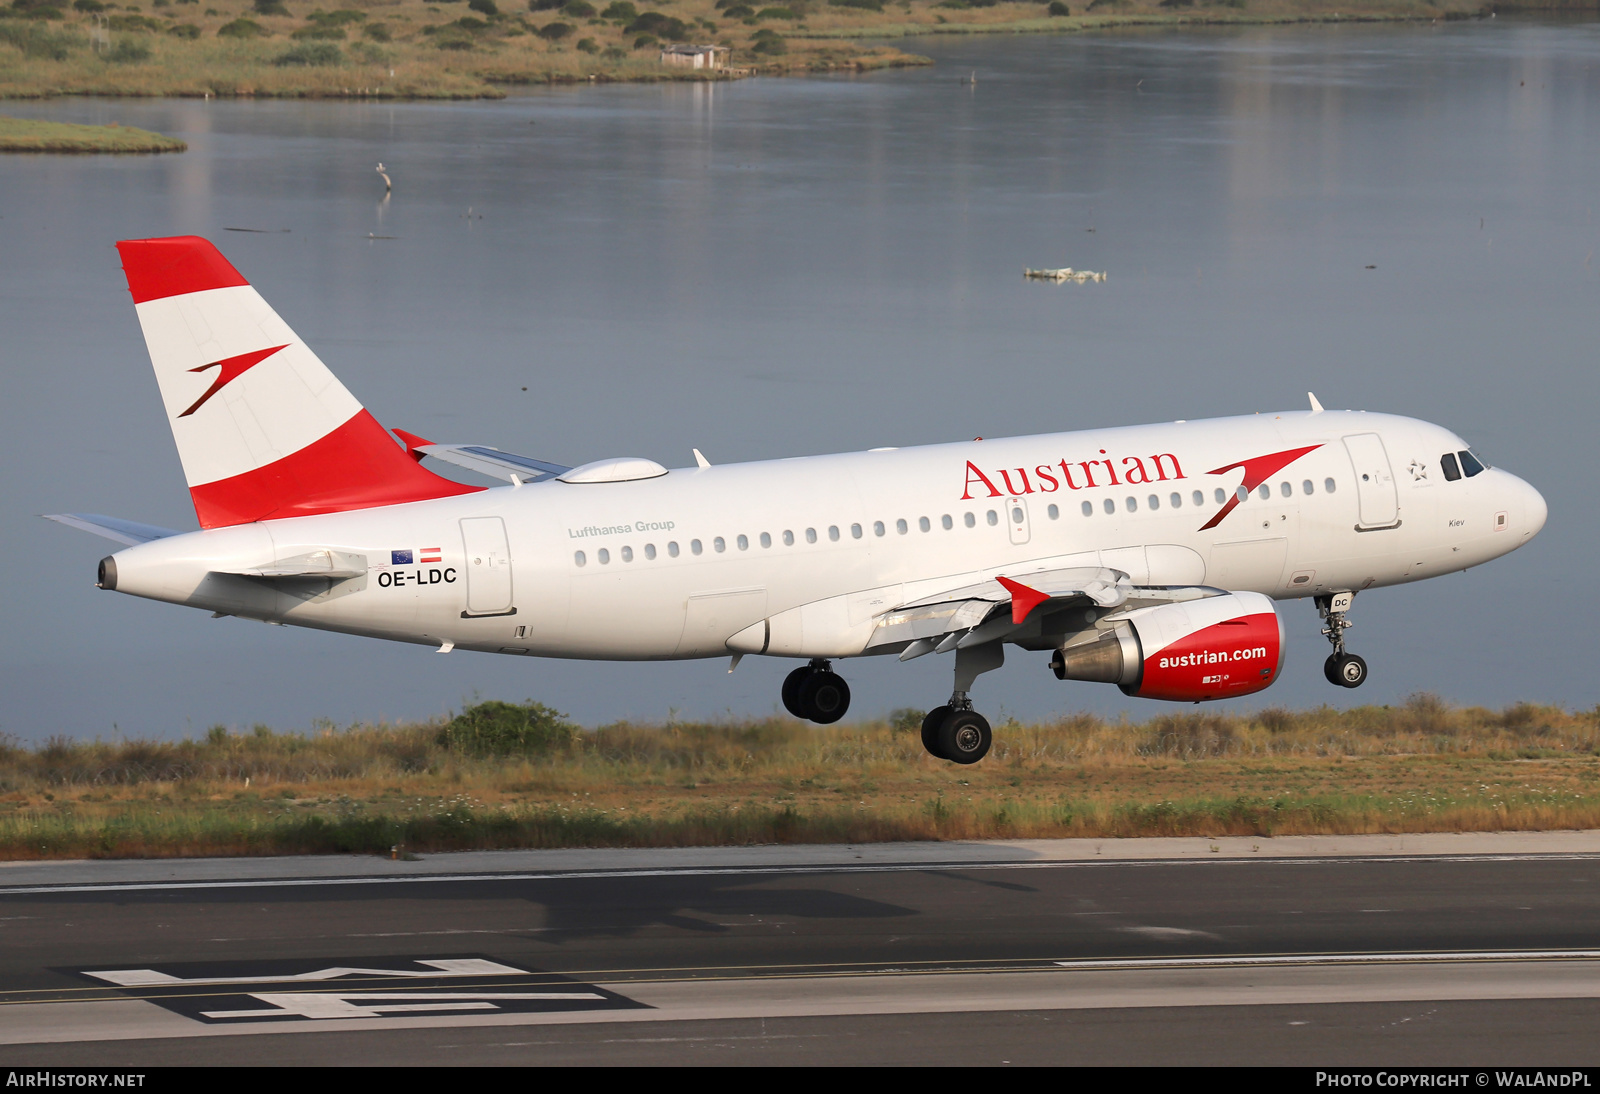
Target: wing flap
974, 614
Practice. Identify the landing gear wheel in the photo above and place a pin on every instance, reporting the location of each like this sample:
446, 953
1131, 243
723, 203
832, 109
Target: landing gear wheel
930, 730
1330, 669
824, 696
791, 690
964, 737
1352, 671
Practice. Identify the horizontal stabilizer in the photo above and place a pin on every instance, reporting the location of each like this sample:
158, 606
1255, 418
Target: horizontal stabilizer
485, 460
330, 564
129, 532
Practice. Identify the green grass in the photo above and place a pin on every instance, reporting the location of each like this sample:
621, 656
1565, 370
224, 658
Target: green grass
519, 775
27, 135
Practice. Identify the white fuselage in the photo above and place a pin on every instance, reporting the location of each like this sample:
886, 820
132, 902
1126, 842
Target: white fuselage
797, 557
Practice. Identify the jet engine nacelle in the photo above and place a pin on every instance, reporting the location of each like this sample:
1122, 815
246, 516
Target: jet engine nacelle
1213, 648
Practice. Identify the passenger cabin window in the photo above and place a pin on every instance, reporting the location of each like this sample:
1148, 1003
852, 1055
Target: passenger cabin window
901, 526
1452, 470
650, 551
1264, 491
1221, 495
580, 558
970, 520
1470, 465
993, 517
788, 538
603, 555
1053, 512
719, 545
694, 546
1286, 490
1241, 493
877, 528
766, 539
1198, 497
946, 523
743, 541
1307, 488
672, 548
833, 533
855, 531
811, 535
1153, 501
1088, 508
627, 554
924, 524
1329, 485
1176, 501
1109, 505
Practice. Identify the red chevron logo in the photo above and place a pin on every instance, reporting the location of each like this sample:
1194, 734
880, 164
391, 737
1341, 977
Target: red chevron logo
1256, 471
229, 370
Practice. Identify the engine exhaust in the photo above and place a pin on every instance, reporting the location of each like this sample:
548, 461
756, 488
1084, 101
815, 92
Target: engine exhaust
1110, 657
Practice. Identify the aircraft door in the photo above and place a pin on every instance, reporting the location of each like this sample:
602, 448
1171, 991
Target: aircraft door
1380, 503
1017, 519
488, 566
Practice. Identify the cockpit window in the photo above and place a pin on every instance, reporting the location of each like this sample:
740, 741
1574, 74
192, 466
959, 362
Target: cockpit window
1470, 465
1452, 470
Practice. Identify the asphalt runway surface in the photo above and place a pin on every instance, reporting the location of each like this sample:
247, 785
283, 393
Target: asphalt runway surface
1420, 959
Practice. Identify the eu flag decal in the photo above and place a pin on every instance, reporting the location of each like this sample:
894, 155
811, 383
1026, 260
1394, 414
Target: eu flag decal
399, 558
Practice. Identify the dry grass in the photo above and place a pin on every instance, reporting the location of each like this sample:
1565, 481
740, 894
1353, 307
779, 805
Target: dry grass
414, 49
1419, 767
27, 135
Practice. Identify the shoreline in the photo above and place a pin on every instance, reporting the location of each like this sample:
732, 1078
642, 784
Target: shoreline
410, 50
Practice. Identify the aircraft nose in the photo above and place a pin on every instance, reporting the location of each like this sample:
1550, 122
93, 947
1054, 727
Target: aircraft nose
1532, 507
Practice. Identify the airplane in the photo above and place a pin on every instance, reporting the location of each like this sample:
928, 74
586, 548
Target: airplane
1148, 557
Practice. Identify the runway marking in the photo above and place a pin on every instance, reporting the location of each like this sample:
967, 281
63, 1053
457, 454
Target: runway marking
1288, 960
760, 871
472, 966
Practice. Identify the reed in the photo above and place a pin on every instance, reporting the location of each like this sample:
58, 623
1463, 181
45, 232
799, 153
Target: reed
30, 135
519, 775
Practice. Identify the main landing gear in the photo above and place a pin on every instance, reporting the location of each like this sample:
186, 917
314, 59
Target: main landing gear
816, 693
1345, 670
955, 731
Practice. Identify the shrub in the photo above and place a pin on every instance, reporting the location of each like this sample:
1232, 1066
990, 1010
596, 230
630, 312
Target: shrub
270, 7
662, 26
554, 32
1177, 3
242, 28
544, 5
906, 720
498, 728
622, 11
773, 13
338, 18
190, 31
645, 41
614, 53
469, 24
864, 5
88, 5
319, 32
453, 39
35, 41
578, 9
378, 32
740, 11
128, 52
483, 7
38, 9
1057, 8
588, 45
134, 23
769, 42
312, 54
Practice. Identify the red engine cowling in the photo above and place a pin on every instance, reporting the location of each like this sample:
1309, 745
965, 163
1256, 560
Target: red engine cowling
1213, 648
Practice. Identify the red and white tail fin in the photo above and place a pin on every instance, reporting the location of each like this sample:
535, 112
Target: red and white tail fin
264, 430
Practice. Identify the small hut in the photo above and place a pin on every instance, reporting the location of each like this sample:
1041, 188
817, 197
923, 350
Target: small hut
696, 56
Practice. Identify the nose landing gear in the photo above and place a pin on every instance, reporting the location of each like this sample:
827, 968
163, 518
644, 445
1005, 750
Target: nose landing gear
1345, 670
816, 693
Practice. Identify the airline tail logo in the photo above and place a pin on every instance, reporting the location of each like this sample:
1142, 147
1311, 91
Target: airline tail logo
1256, 471
230, 369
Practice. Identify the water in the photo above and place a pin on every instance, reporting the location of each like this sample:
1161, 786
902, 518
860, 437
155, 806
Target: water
1398, 218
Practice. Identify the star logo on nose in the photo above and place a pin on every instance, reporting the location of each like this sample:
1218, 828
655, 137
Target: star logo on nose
1418, 469
229, 369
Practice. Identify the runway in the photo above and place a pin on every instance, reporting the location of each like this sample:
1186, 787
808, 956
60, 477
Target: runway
984, 954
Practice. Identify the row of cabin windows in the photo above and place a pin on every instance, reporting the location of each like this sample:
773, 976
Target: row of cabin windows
1469, 465
947, 522
1198, 498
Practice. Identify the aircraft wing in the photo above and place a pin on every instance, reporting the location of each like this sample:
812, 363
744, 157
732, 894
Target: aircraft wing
128, 532
484, 460
973, 614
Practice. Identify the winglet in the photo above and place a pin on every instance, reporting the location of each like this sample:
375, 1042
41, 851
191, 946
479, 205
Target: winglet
700, 461
413, 442
1023, 599
1316, 407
